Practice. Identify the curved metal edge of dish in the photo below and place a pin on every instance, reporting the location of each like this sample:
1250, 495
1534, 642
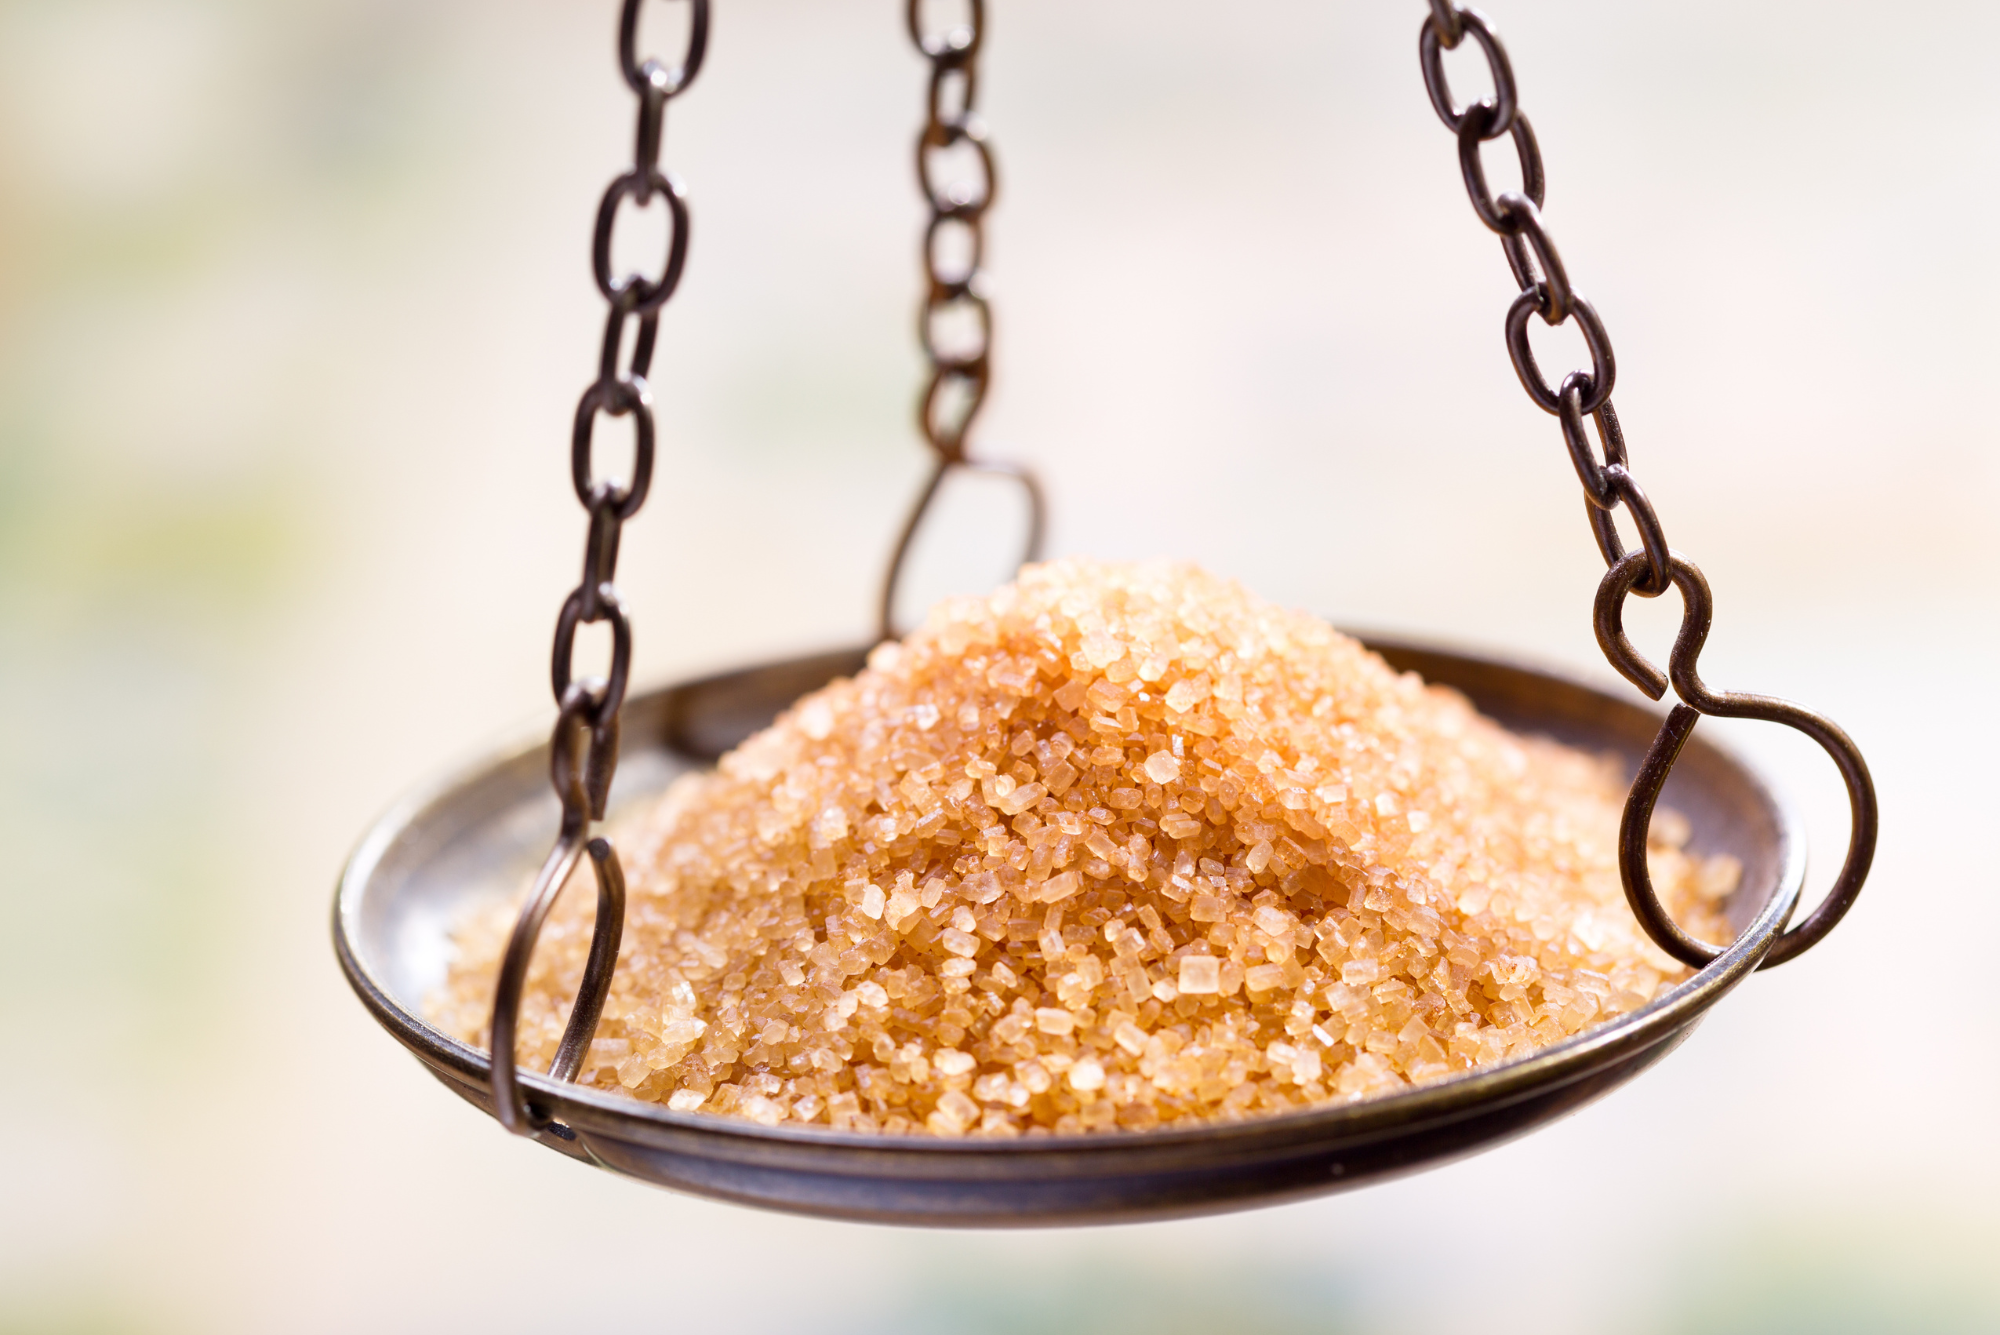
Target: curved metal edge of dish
742, 1161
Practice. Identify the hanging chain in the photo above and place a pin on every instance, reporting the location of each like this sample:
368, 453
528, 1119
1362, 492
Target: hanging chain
953, 250
1548, 295
583, 753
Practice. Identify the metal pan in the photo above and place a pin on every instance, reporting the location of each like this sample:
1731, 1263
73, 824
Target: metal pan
474, 838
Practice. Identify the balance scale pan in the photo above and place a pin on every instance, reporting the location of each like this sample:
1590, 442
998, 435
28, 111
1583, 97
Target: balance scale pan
474, 838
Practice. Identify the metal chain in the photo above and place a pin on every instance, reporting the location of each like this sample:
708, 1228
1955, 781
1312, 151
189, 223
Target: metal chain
583, 753
1548, 294
956, 388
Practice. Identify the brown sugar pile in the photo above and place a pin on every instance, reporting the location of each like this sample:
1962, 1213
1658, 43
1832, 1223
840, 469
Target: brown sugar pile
1115, 847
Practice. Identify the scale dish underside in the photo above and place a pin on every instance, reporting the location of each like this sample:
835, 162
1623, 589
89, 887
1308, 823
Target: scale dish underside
473, 840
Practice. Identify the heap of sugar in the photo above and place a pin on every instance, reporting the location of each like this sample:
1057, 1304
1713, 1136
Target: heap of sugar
1115, 847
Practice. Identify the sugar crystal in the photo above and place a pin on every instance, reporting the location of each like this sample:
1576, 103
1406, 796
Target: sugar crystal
1200, 974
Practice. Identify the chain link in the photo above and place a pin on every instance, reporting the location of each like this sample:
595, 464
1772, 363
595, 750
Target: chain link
1442, 32
960, 369
1471, 135
583, 751
1546, 292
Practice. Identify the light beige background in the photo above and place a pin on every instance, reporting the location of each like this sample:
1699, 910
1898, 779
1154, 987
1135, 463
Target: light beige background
293, 310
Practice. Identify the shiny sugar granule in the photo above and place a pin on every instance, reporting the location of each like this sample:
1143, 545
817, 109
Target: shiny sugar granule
1115, 847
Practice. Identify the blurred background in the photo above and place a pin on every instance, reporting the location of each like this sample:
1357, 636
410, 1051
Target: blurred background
294, 307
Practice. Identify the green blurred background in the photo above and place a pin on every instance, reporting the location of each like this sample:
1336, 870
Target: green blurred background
294, 305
